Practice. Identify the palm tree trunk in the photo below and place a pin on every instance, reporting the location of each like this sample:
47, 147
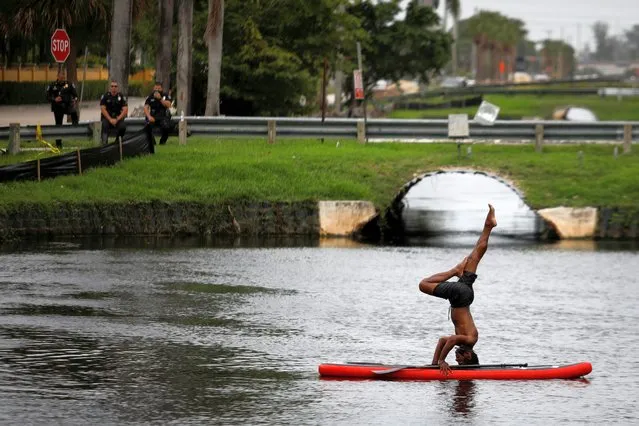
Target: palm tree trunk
72, 61
185, 56
165, 35
479, 65
214, 32
445, 18
120, 43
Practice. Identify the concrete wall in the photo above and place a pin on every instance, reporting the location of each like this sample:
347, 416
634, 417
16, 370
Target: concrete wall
343, 218
593, 223
571, 223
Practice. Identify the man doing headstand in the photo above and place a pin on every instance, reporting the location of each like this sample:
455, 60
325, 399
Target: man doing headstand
460, 295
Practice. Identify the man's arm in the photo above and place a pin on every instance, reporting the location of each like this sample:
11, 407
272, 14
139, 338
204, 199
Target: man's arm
50, 96
438, 350
147, 112
451, 341
105, 114
123, 113
166, 101
74, 92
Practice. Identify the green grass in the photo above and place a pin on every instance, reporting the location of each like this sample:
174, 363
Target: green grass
32, 150
214, 170
518, 106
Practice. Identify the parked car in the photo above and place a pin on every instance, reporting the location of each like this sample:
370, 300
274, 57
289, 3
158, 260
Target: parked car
453, 82
541, 77
575, 114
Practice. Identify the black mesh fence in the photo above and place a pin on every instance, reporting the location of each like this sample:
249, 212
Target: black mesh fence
133, 144
452, 103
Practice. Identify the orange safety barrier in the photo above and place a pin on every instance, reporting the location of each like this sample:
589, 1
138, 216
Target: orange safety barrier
49, 73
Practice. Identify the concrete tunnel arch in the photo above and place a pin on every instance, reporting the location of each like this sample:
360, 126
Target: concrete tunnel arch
388, 225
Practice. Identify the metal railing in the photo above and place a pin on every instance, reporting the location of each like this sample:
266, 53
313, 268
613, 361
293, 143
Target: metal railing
395, 129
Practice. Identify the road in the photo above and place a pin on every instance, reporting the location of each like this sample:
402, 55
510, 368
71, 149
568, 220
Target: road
41, 113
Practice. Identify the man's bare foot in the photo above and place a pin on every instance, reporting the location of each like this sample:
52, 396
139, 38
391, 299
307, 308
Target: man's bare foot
491, 221
459, 269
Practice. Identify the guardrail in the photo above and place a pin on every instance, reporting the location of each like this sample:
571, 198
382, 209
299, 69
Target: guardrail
570, 87
395, 129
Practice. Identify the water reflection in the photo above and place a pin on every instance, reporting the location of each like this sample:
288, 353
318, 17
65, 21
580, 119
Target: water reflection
456, 202
64, 244
464, 398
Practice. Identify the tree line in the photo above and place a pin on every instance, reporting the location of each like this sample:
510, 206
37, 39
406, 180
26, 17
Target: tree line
623, 47
261, 57
232, 56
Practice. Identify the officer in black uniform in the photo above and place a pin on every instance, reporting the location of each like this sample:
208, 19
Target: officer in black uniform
63, 98
156, 110
114, 108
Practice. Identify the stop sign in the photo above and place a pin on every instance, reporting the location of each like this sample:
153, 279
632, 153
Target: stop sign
60, 45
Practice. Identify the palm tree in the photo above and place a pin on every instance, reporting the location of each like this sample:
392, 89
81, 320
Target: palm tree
185, 55
165, 35
80, 18
121, 43
480, 26
213, 37
498, 35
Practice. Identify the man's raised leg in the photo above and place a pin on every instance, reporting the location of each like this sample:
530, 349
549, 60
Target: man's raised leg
482, 244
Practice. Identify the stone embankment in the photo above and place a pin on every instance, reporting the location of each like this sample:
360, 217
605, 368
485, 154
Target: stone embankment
324, 218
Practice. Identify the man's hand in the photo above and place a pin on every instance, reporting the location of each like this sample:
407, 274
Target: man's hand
151, 119
58, 99
444, 368
113, 121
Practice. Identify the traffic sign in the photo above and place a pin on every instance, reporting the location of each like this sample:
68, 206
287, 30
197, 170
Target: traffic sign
486, 114
60, 45
458, 126
358, 83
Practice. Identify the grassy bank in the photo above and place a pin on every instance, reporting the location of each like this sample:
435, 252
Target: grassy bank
218, 170
32, 150
518, 106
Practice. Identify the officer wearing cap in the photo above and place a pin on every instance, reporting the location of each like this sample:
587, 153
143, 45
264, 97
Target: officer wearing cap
114, 108
156, 110
63, 97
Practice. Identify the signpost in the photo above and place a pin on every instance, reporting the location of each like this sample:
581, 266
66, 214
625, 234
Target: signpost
458, 129
359, 91
60, 45
359, 86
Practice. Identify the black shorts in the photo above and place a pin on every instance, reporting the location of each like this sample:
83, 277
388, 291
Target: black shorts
460, 293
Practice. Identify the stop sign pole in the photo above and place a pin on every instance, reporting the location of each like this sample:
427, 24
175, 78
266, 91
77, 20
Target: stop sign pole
60, 45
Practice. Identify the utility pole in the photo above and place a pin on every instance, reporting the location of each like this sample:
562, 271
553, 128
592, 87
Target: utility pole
473, 54
578, 37
560, 54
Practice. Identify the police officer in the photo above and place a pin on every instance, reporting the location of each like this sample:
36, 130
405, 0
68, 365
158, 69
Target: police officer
63, 98
114, 109
156, 110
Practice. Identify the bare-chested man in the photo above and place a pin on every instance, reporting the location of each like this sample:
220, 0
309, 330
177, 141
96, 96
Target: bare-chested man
461, 295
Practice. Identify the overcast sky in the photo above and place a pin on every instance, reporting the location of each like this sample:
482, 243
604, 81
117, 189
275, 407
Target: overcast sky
572, 17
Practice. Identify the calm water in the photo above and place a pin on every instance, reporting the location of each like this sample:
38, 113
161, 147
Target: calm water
143, 333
